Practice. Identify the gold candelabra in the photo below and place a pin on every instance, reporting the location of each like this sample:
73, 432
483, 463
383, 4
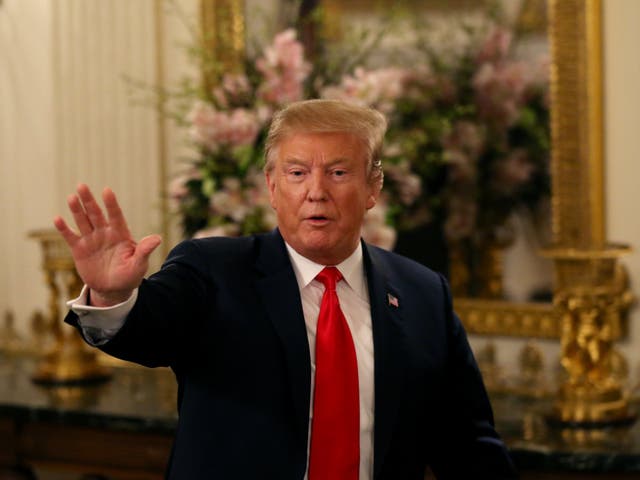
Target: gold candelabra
69, 361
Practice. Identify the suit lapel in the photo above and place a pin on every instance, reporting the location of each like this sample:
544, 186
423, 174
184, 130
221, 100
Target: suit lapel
389, 345
279, 291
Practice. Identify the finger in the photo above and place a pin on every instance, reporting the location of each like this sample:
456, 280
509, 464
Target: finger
69, 236
116, 217
147, 245
91, 207
79, 215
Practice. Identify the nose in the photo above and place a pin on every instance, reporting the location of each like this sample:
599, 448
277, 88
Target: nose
317, 191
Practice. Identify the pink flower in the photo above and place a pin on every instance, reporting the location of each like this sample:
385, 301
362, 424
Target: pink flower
495, 47
213, 129
422, 87
284, 70
499, 92
409, 184
465, 136
234, 90
236, 84
371, 88
258, 192
375, 229
178, 186
462, 167
229, 201
461, 219
257, 195
513, 171
537, 81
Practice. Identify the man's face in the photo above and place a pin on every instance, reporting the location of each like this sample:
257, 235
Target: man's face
320, 190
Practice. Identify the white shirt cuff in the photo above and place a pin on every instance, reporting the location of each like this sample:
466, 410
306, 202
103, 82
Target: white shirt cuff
100, 324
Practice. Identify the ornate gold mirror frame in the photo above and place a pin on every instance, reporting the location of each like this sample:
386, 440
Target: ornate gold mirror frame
582, 257
591, 295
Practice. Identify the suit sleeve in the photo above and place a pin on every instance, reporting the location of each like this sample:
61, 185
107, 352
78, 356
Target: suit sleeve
166, 314
469, 445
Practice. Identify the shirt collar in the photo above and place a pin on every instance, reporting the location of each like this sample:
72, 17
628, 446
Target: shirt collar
352, 270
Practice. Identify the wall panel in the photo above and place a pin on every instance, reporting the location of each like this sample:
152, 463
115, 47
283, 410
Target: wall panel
68, 116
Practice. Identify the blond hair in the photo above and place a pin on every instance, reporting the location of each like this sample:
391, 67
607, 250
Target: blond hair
330, 116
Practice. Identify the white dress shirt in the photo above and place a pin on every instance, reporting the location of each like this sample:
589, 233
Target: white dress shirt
354, 303
100, 324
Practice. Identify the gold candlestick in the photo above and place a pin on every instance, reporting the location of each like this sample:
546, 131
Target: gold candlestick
70, 361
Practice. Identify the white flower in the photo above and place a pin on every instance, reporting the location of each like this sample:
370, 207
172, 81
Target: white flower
219, 231
375, 230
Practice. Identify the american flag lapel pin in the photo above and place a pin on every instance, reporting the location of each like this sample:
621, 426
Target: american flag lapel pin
393, 301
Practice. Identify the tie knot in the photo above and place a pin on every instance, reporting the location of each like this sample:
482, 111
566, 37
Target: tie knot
329, 276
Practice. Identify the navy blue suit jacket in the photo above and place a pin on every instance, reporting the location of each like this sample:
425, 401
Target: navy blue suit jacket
226, 316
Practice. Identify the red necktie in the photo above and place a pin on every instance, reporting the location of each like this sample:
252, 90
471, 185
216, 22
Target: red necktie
335, 432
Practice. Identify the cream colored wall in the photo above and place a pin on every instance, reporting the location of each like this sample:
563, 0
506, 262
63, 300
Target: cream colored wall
622, 120
27, 149
67, 116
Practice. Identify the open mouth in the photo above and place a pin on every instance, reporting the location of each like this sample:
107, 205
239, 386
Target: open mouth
317, 220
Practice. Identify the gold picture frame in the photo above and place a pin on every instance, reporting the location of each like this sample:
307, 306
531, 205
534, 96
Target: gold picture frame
577, 213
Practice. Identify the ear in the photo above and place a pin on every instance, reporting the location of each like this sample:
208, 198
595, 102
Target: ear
271, 185
374, 194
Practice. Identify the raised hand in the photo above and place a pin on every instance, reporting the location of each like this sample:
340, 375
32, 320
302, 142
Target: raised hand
107, 258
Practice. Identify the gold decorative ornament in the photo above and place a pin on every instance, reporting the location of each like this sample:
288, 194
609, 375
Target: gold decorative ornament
223, 31
485, 281
591, 295
592, 312
531, 381
591, 291
10, 340
491, 372
69, 361
493, 317
39, 332
532, 17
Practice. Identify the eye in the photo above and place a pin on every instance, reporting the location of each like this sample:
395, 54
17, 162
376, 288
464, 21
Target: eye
339, 172
295, 173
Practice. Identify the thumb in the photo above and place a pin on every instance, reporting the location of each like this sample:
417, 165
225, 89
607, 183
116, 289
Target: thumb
147, 245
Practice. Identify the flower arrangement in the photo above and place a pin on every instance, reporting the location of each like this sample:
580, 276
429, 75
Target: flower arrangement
468, 139
468, 145
223, 192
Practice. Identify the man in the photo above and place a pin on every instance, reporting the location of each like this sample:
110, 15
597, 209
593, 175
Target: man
287, 369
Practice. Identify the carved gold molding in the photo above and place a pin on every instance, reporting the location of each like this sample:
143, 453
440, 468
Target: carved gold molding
492, 317
576, 123
223, 35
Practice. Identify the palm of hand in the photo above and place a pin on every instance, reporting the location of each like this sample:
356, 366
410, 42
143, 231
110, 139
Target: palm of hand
106, 257
105, 261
